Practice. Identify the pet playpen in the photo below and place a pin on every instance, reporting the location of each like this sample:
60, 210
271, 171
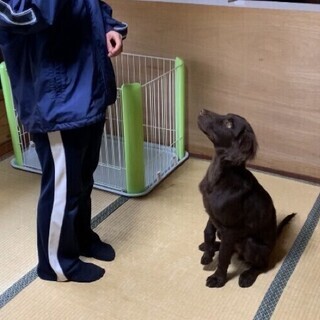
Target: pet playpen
143, 139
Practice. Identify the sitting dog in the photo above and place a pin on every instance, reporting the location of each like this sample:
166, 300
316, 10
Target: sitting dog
241, 212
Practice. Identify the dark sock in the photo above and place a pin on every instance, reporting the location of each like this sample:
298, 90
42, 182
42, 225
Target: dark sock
86, 272
81, 272
99, 250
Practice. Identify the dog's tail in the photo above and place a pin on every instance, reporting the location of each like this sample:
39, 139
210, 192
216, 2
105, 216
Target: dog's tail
284, 222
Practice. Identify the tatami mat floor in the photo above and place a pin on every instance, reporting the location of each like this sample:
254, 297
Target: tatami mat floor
156, 274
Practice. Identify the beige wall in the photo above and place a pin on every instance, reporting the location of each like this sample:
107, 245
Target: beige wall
262, 64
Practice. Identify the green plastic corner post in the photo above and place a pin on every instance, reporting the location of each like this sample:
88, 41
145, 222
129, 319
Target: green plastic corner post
180, 107
133, 137
11, 116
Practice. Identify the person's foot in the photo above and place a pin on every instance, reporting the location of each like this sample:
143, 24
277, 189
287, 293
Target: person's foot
86, 272
80, 272
99, 250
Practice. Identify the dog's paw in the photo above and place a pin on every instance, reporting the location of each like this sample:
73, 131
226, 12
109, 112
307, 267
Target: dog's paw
216, 281
206, 258
205, 247
247, 279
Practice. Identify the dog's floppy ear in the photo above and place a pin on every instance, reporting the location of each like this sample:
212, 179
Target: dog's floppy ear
248, 144
243, 148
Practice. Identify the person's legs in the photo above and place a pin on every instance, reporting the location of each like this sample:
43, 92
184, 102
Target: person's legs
60, 155
89, 242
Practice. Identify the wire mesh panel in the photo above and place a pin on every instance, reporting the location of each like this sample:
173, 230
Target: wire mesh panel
157, 79
159, 126
29, 156
110, 173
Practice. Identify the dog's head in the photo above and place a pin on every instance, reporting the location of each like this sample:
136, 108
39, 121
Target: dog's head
232, 136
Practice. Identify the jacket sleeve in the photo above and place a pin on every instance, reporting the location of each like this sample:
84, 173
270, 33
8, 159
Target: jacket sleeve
25, 16
111, 23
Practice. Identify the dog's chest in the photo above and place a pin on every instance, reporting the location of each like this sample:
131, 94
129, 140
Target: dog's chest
223, 205
221, 211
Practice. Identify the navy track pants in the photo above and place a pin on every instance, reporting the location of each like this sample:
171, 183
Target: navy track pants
68, 160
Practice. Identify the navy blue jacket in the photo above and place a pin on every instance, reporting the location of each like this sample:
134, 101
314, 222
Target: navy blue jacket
56, 56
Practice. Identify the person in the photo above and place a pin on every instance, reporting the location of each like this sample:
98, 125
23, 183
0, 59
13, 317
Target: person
57, 54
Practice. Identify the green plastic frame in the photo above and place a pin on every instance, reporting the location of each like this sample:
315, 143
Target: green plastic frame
11, 116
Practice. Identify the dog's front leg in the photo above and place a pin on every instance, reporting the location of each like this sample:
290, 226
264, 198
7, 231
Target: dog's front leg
209, 246
219, 278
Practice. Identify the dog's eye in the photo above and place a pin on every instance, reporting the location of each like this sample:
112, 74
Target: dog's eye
228, 124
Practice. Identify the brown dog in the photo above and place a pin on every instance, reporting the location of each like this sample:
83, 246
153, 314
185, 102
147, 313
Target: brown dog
241, 212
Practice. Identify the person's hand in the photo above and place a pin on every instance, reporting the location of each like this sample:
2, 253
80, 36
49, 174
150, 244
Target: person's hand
114, 43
